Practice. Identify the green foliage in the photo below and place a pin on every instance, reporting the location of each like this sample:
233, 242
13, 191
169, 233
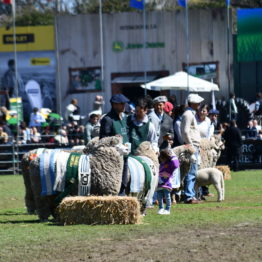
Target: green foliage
31, 18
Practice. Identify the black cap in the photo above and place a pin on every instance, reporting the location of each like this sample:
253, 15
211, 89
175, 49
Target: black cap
119, 98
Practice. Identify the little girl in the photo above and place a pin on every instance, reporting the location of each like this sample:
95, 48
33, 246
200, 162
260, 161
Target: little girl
168, 163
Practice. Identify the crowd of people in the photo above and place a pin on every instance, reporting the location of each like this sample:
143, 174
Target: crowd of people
160, 121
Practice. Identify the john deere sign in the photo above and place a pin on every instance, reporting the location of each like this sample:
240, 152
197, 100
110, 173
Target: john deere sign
119, 46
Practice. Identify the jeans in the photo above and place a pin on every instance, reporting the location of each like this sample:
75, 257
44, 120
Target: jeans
190, 179
160, 196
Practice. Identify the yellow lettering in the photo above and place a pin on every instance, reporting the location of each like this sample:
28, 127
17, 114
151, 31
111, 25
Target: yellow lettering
9, 39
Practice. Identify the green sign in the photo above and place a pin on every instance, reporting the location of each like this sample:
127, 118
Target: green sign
17, 106
249, 38
120, 46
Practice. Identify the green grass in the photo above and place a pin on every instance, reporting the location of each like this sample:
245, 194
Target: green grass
22, 234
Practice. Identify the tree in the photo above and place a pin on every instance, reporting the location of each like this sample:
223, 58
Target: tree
42, 12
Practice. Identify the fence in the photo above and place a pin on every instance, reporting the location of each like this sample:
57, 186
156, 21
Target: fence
11, 155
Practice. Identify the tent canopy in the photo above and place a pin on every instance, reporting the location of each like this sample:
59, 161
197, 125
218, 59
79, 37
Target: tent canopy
181, 81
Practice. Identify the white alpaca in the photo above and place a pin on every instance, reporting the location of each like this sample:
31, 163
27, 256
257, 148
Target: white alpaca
211, 176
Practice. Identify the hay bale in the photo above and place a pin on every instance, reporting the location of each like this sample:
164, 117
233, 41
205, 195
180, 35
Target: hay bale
226, 171
99, 210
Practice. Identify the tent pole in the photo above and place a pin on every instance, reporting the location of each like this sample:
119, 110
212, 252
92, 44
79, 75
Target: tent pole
145, 49
187, 45
58, 82
101, 41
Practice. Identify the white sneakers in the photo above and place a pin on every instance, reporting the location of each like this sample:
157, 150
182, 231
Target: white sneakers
160, 211
163, 212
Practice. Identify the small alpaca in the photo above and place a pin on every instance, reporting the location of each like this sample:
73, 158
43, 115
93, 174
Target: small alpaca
211, 176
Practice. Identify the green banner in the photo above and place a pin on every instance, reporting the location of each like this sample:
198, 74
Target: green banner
16, 108
249, 37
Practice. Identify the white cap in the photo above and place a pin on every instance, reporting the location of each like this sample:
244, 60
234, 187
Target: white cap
160, 99
194, 98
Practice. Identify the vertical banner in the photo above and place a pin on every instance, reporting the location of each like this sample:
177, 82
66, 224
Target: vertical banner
249, 37
16, 106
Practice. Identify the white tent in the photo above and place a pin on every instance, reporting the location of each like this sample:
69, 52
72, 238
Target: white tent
181, 81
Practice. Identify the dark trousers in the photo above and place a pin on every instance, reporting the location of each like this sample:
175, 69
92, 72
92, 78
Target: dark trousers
124, 177
233, 154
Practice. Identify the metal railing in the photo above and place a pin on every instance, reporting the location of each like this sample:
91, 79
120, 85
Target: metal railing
11, 155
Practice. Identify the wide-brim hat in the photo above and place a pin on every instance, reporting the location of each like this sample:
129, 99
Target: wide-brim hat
194, 98
119, 99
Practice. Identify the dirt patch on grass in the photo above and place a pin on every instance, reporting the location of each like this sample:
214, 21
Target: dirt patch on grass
242, 242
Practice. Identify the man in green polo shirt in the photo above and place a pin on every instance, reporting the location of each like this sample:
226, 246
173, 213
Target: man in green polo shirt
140, 128
115, 123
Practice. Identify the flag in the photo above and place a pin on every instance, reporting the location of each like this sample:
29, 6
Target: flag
8, 2
138, 4
182, 3
227, 2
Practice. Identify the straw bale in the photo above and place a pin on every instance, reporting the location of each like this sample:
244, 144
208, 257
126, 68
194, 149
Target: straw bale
101, 210
226, 171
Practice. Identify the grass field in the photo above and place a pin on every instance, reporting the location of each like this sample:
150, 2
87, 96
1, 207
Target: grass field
190, 233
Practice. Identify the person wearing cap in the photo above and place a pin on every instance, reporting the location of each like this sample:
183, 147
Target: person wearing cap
191, 135
140, 128
162, 122
213, 115
115, 123
92, 122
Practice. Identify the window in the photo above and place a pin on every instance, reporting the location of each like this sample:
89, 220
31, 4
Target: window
85, 79
206, 70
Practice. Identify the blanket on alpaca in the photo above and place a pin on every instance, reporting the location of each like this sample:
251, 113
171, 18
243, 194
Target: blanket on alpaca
61, 162
140, 173
84, 176
71, 176
47, 171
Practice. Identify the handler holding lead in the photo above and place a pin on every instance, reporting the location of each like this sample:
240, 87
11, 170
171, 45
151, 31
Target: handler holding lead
191, 135
115, 123
140, 127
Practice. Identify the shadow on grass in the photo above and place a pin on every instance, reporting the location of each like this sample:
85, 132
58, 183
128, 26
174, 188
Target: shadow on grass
19, 222
49, 222
14, 214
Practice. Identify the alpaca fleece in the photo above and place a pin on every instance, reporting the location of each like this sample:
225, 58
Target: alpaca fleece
106, 173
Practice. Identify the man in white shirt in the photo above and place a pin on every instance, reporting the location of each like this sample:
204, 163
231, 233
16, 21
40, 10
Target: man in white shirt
162, 122
191, 135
